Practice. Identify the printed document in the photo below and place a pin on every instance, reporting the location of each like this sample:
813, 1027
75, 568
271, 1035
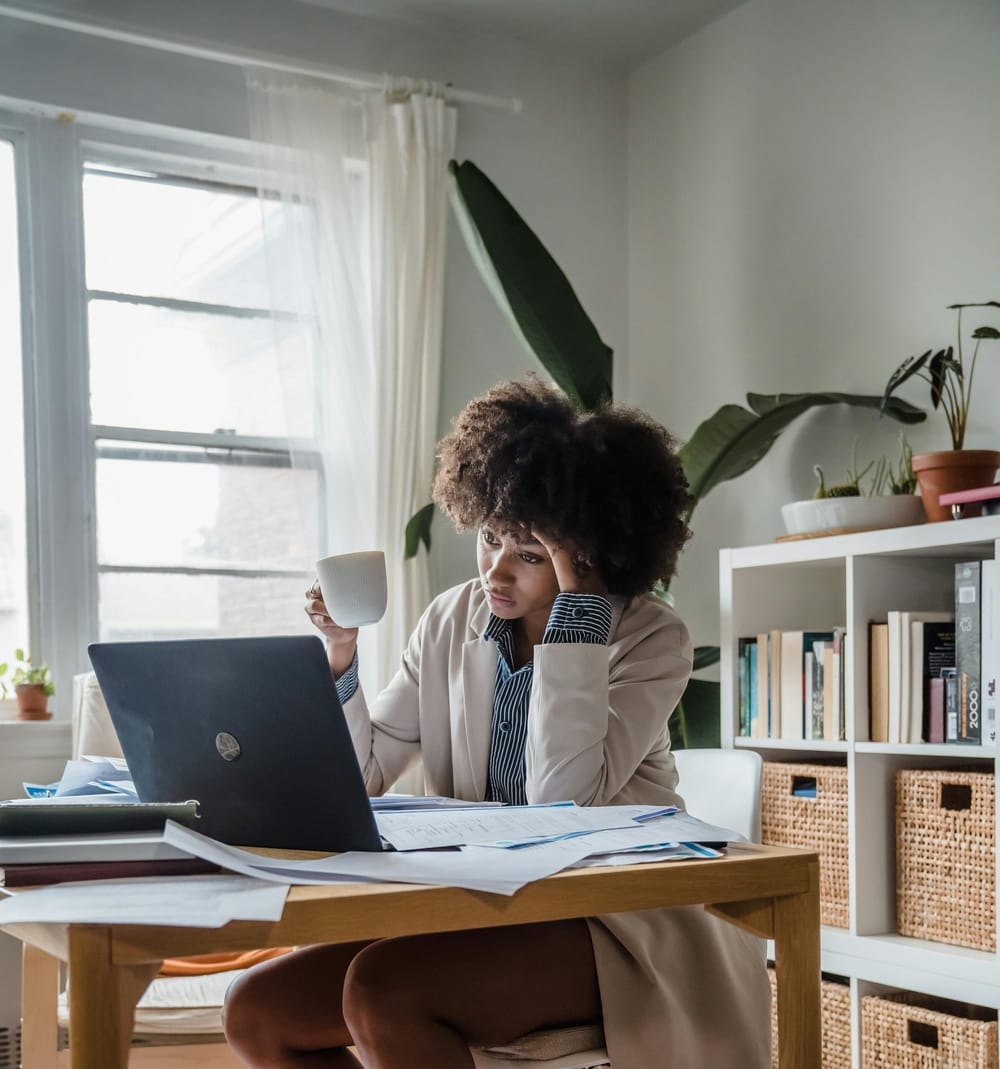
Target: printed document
183, 901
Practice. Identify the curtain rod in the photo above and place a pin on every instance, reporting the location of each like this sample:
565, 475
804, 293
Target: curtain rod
357, 79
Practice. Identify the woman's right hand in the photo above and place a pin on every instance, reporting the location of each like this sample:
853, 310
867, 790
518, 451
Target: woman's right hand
341, 642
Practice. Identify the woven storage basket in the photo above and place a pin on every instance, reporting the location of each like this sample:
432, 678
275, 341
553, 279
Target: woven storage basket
818, 823
945, 857
903, 1030
835, 1003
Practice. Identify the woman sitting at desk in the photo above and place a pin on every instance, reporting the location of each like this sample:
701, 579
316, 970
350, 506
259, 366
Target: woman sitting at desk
549, 677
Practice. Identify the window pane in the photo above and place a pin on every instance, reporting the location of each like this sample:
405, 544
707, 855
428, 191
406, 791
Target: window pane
197, 512
13, 553
143, 606
186, 371
161, 239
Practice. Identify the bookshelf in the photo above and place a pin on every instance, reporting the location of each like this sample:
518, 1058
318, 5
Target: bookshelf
850, 580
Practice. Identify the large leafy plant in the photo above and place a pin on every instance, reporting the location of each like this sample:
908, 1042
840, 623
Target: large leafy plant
538, 300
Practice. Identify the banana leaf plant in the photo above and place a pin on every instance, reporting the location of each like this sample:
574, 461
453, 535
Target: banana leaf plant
545, 313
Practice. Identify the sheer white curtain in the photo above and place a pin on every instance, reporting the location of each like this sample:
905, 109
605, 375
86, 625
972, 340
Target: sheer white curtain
358, 252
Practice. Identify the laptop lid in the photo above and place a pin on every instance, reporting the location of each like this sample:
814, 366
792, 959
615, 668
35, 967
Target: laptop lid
250, 727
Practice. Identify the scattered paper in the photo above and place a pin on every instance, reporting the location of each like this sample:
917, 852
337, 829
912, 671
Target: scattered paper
419, 802
181, 901
512, 825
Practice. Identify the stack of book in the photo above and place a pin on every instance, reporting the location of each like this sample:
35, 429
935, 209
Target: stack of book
792, 685
46, 841
933, 674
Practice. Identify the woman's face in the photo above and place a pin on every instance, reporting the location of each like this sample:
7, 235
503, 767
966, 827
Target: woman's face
517, 574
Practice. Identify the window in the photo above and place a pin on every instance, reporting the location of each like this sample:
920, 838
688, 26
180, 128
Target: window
14, 622
197, 389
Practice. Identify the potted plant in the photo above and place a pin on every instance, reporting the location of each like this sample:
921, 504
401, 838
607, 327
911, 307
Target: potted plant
32, 685
949, 376
879, 495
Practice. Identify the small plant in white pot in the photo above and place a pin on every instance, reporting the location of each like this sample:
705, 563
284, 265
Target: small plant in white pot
32, 686
879, 495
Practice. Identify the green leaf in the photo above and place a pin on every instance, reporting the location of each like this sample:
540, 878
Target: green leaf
939, 367
418, 529
907, 369
531, 288
18, 655
986, 332
696, 722
733, 440
704, 657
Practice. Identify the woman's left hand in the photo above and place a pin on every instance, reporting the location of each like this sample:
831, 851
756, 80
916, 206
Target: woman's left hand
575, 573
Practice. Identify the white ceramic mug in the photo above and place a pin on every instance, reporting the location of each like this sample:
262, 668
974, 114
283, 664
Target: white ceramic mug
354, 587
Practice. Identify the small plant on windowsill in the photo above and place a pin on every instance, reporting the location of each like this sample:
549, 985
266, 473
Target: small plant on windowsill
32, 686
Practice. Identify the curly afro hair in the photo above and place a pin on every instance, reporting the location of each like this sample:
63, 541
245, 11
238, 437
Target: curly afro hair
608, 481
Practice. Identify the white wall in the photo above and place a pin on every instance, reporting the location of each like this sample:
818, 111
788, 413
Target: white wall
562, 162
810, 185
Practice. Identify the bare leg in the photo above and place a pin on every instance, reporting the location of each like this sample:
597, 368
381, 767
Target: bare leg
421, 1000
286, 1013
415, 1001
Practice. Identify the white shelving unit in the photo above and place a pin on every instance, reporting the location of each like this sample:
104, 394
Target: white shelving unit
850, 580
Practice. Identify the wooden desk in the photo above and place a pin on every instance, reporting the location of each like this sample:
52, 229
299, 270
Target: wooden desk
770, 891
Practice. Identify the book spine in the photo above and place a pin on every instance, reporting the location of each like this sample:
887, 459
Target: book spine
968, 629
744, 707
990, 657
935, 700
49, 872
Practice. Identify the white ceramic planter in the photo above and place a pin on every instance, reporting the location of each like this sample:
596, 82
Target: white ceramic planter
852, 513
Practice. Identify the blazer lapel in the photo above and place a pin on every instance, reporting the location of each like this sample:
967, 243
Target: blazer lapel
472, 723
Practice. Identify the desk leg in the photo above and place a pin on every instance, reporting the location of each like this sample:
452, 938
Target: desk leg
39, 1017
102, 1000
797, 970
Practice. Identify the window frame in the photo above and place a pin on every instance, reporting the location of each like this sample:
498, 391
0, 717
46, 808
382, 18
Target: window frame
60, 440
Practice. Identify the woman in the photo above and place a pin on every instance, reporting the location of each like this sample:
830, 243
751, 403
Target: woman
549, 677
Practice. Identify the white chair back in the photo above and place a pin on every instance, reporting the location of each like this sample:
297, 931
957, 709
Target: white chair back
722, 787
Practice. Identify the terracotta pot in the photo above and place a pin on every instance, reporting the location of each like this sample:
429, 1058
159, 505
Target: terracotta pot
953, 469
32, 702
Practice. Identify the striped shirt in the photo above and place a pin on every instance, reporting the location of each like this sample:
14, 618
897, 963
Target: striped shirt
584, 618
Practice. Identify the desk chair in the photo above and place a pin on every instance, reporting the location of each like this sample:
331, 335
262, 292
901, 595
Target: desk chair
721, 787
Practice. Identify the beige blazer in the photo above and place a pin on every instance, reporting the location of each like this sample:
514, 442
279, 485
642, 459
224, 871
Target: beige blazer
679, 988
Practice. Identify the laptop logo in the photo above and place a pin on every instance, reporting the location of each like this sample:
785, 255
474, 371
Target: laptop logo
228, 747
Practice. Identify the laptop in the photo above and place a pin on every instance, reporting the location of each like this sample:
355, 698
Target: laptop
250, 727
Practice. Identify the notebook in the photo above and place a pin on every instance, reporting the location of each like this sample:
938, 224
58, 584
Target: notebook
249, 727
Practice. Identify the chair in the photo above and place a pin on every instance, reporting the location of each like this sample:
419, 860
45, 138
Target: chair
720, 787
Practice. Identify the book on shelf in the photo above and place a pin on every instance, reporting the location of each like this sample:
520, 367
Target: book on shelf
935, 712
990, 647
932, 647
38, 874
835, 723
786, 686
906, 701
949, 680
878, 681
968, 630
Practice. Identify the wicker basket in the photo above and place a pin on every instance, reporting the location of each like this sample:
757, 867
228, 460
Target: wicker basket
903, 1030
818, 823
835, 1003
945, 857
